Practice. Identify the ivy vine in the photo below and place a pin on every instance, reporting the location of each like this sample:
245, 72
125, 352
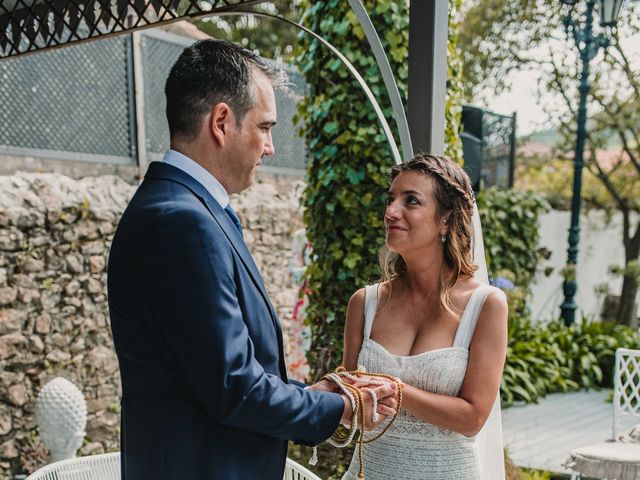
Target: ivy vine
347, 174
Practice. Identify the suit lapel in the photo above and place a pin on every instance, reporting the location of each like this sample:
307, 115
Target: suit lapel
158, 170
237, 242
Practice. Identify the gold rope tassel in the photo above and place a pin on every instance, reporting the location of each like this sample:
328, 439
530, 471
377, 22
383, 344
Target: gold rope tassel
359, 414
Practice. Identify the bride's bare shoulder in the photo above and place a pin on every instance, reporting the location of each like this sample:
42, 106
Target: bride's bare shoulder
385, 290
463, 289
358, 299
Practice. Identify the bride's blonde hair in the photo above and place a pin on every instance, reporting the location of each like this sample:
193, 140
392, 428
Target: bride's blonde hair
453, 196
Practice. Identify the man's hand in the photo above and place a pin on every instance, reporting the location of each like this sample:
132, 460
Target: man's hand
323, 386
386, 395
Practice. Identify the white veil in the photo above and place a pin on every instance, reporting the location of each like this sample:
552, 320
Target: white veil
489, 440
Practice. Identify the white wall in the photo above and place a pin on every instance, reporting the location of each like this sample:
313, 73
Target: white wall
600, 246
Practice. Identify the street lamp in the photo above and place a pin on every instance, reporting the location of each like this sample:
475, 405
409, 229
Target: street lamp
588, 45
609, 11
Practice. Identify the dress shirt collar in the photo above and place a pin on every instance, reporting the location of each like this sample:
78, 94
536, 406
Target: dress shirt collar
202, 176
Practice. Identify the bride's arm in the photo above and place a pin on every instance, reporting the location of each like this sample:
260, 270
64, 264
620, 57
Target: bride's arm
467, 413
353, 330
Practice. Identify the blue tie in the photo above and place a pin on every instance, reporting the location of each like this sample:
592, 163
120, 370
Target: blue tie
234, 218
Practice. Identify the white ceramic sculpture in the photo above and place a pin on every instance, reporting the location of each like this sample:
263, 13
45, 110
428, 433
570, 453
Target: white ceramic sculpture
61, 413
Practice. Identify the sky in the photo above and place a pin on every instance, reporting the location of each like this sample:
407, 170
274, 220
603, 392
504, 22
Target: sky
523, 97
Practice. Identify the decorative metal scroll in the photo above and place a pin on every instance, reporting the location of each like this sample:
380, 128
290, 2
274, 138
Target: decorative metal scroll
31, 25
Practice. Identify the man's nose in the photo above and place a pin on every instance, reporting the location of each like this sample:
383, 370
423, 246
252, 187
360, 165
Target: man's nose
269, 149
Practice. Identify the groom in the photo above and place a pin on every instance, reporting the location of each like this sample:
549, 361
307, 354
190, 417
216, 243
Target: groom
204, 388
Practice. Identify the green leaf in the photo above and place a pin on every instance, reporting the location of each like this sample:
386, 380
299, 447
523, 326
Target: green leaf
355, 177
330, 128
522, 393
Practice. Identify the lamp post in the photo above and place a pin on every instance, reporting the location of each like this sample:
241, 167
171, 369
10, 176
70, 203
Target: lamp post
588, 45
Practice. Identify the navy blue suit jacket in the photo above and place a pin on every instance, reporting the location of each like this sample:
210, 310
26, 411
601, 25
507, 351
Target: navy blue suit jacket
204, 389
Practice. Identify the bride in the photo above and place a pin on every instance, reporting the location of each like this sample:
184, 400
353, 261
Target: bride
434, 326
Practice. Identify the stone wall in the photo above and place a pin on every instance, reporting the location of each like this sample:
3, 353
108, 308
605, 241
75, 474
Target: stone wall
54, 241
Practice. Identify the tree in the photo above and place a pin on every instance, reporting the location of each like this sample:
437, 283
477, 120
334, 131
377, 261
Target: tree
493, 47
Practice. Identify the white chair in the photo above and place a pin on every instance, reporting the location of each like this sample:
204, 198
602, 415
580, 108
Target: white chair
615, 459
107, 467
295, 471
626, 394
92, 467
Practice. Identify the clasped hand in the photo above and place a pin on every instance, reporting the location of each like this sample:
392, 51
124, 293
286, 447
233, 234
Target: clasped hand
385, 394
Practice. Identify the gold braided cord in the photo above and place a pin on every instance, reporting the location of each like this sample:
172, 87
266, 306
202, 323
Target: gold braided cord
359, 410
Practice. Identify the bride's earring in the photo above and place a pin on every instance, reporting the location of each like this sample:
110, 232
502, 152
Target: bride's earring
443, 238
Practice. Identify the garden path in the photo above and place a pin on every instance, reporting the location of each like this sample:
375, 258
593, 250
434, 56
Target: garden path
541, 435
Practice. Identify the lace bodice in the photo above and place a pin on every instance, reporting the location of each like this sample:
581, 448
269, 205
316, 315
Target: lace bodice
412, 449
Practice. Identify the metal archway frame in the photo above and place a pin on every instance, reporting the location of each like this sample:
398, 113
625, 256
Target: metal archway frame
387, 77
28, 26
400, 118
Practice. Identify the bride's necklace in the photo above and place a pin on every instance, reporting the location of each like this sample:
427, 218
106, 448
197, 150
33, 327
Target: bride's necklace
341, 378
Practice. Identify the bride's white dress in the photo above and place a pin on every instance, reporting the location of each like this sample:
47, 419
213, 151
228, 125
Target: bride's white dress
412, 449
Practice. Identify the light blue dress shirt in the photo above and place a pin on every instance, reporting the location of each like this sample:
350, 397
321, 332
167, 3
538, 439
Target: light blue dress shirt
199, 174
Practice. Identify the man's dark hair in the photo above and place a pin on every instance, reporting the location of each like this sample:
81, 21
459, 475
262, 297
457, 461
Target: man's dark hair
207, 73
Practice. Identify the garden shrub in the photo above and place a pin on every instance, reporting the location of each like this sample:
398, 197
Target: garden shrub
553, 357
510, 221
541, 358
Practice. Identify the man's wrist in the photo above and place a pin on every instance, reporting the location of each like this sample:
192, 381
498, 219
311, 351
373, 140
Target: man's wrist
347, 411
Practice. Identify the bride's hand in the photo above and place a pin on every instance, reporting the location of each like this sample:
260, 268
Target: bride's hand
387, 404
372, 382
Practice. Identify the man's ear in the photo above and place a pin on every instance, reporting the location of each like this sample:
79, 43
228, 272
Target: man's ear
220, 121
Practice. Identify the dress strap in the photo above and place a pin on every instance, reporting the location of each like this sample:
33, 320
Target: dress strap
370, 306
469, 319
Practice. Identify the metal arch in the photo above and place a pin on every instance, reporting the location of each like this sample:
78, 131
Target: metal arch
43, 24
387, 76
383, 121
29, 26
